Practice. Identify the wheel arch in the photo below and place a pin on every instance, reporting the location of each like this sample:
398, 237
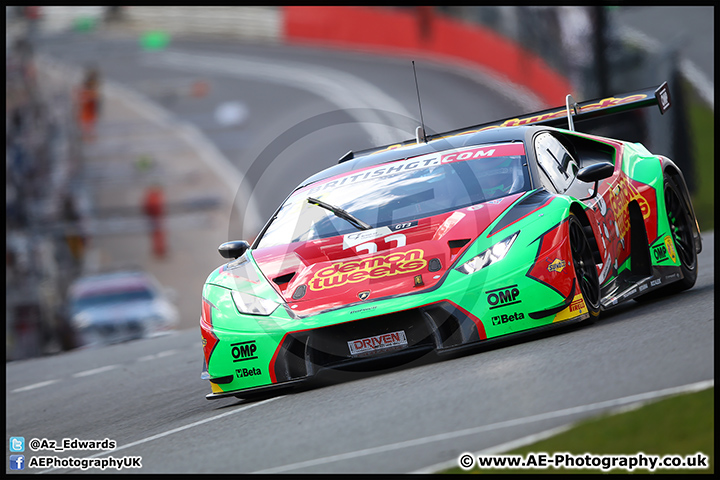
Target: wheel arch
670, 169
579, 212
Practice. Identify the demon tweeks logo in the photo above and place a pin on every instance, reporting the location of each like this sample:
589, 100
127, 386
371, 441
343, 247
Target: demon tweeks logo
375, 267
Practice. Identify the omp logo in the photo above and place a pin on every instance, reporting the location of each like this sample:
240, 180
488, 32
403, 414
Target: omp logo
243, 351
379, 266
660, 253
557, 265
502, 297
247, 372
500, 319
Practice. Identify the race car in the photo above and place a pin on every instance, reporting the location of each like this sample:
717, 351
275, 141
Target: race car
447, 242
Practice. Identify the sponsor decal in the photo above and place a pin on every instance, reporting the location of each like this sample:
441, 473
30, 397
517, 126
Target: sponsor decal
643, 287
418, 281
376, 267
363, 310
449, 223
500, 319
577, 308
577, 305
502, 297
654, 283
364, 295
619, 201
247, 372
660, 253
352, 239
242, 351
385, 170
604, 103
467, 154
672, 276
670, 248
403, 226
383, 342
557, 265
630, 293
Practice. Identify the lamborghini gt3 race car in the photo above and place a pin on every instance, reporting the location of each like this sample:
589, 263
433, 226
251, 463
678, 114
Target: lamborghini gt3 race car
449, 241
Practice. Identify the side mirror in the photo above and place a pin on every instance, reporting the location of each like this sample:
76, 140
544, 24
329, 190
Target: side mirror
595, 173
233, 249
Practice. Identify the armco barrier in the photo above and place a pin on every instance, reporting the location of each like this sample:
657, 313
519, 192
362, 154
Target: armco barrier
399, 30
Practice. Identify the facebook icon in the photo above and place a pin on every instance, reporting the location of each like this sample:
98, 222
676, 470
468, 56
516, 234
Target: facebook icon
17, 462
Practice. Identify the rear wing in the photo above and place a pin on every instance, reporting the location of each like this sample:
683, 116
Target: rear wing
561, 117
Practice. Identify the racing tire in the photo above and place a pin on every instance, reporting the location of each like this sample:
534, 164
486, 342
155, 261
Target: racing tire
585, 267
681, 229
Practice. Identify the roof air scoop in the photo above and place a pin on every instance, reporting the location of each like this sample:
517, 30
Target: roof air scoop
420, 134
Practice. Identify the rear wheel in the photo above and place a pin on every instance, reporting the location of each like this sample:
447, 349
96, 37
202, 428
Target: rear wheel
585, 268
681, 229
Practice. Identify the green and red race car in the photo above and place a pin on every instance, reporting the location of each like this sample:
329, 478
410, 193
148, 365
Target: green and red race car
446, 242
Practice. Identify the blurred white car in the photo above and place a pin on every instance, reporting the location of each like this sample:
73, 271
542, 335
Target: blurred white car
119, 306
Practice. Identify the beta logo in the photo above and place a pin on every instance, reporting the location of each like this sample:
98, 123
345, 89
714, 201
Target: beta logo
243, 351
502, 297
247, 372
500, 319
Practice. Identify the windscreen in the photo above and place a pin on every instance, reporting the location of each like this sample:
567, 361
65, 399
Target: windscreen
401, 191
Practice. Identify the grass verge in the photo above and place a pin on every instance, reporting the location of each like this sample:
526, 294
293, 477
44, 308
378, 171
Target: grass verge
679, 425
702, 126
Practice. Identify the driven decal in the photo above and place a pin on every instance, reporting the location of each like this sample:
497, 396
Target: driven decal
384, 342
375, 267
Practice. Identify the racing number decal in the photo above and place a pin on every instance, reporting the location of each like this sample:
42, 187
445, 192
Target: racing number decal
371, 247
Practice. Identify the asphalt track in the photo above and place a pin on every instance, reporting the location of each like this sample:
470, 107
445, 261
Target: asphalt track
148, 397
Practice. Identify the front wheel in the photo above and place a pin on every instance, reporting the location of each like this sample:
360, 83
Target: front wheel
585, 268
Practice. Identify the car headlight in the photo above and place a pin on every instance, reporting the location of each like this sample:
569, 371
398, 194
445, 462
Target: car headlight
493, 254
253, 305
81, 320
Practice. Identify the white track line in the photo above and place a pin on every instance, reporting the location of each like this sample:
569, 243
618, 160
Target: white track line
94, 371
34, 386
494, 426
178, 429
